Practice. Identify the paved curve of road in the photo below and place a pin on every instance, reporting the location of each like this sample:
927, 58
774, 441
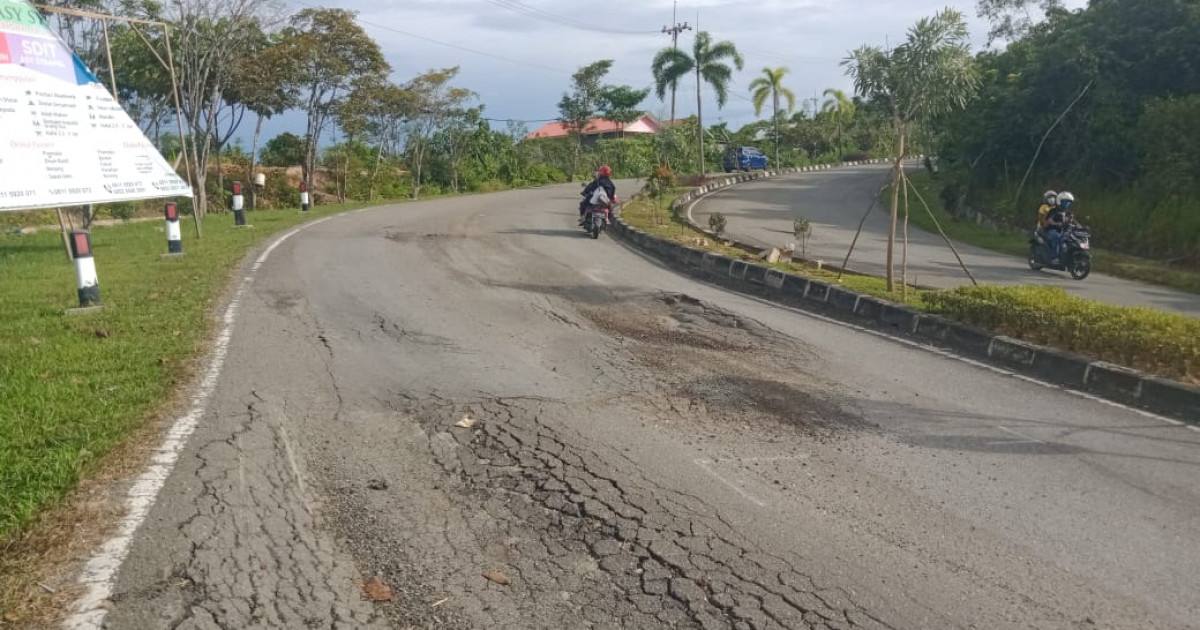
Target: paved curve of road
639, 450
834, 201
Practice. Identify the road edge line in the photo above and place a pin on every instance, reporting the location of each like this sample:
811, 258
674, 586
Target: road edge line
100, 572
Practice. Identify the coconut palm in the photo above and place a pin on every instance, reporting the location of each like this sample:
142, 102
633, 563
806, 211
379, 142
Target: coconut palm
709, 61
770, 85
930, 74
842, 109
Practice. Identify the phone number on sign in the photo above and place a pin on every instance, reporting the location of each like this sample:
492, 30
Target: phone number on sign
16, 194
69, 191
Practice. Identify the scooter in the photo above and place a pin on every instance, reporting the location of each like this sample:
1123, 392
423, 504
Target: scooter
597, 218
1076, 255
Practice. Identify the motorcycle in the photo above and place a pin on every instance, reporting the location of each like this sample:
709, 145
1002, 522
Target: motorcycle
597, 218
1076, 255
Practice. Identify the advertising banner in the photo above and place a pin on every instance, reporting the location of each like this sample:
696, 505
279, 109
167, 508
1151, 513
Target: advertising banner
64, 140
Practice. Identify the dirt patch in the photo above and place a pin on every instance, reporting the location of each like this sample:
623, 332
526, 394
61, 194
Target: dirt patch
738, 396
675, 319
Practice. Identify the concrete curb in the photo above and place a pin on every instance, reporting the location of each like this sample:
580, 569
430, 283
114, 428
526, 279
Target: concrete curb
1103, 380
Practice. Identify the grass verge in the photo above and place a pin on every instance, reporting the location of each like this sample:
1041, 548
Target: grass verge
74, 386
1016, 243
1157, 342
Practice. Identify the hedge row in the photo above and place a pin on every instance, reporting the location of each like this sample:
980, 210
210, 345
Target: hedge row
1149, 340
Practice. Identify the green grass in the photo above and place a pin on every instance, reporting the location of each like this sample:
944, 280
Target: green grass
1146, 339
73, 386
1016, 243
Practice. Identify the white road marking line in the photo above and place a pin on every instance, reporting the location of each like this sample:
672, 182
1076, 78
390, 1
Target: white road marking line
100, 573
704, 464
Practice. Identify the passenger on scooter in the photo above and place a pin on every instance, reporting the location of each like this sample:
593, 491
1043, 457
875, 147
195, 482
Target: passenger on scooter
1049, 203
1056, 223
603, 182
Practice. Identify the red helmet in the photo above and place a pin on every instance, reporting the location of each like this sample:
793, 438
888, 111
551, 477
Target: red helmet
604, 171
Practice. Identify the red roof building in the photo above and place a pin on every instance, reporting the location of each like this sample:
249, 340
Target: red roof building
599, 127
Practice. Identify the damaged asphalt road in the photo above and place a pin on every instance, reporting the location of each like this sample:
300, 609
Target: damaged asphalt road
497, 423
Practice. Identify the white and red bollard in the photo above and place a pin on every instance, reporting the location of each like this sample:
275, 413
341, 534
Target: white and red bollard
86, 280
239, 207
303, 196
174, 234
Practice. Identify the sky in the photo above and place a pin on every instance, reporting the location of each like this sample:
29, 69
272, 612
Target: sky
533, 46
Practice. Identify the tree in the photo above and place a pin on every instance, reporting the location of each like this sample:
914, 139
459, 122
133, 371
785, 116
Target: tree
710, 62
842, 109
619, 103
1011, 19
932, 73
264, 84
579, 106
286, 149
433, 102
329, 53
770, 85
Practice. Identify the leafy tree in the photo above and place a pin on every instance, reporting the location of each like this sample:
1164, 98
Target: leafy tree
770, 86
433, 103
1010, 19
580, 105
619, 103
285, 149
932, 73
330, 53
263, 83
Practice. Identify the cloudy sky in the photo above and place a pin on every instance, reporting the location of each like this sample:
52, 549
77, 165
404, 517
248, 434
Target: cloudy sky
534, 45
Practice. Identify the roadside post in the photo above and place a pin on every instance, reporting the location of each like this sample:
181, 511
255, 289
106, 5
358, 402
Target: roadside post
174, 234
260, 184
303, 196
239, 212
87, 282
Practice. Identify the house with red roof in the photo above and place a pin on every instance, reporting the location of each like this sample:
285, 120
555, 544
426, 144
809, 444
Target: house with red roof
599, 128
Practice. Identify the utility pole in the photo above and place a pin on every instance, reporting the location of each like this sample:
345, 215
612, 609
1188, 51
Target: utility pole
674, 32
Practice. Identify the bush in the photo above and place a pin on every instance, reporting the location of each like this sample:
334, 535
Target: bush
1146, 339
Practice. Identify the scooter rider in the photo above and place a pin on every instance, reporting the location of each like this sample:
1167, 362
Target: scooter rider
603, 182
1057, 222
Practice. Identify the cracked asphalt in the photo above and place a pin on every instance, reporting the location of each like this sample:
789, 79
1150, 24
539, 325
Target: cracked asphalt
513, 426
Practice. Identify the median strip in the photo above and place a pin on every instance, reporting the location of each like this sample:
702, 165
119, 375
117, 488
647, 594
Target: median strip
984, 323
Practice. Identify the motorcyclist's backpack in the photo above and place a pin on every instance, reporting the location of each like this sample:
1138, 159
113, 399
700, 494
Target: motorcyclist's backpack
599, 197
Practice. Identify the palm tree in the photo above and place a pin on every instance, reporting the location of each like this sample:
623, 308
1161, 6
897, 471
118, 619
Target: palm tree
770, 85
930, 74
842, 109
708, 61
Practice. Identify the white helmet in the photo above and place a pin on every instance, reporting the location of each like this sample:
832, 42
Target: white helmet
1050, 197
1066, 200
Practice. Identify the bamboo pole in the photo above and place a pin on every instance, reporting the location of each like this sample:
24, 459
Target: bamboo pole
938, 225
112, 72
187, 167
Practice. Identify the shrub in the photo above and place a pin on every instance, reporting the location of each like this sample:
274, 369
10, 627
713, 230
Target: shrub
802, 229
1150, 340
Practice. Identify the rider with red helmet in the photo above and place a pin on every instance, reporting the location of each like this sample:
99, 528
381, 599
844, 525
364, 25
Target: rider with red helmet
603, 182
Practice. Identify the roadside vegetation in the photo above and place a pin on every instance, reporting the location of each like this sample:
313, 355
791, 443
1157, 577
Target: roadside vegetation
1157, 342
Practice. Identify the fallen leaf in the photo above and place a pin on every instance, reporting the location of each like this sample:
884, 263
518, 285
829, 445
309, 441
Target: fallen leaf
376, 590
497, 577
101, 333
378, 484
466, 423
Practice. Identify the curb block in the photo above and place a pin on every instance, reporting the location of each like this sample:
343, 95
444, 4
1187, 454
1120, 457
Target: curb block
1101, 379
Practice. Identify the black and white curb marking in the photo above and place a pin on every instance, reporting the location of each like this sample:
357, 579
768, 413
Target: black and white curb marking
239, 212
303, 196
